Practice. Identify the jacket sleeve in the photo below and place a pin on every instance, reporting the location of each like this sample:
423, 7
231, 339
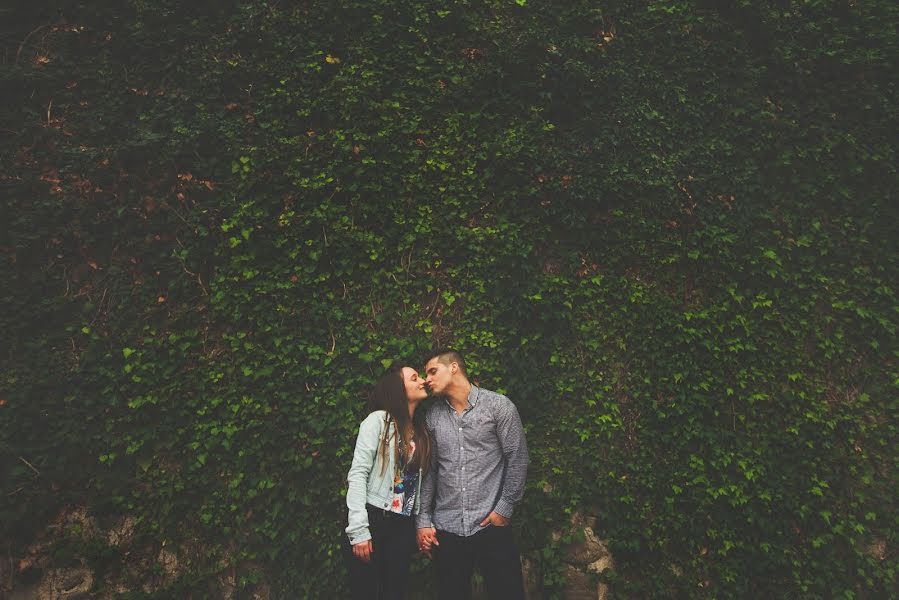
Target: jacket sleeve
364, 457
515, 452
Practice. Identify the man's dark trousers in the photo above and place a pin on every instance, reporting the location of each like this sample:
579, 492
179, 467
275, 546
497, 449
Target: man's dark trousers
492, 550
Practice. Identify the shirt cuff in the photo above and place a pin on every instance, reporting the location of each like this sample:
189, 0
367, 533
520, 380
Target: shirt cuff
504, 508
423, 521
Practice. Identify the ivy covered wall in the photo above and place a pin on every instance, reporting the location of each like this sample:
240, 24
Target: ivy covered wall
666, 229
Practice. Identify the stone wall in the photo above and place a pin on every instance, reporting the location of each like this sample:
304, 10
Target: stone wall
55, 567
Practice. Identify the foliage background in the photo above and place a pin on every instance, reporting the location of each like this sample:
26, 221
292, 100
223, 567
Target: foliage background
666, 229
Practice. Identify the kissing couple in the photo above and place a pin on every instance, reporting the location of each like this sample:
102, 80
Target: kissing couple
444, 481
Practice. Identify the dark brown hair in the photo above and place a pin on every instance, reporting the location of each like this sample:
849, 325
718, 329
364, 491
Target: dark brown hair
448, 356
389, 394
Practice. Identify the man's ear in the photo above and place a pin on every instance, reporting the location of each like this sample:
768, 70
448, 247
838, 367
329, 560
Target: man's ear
454, 366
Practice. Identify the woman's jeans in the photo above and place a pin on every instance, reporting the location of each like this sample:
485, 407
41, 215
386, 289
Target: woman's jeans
393, 543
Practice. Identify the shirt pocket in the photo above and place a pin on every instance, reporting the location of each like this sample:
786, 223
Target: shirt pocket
480, 433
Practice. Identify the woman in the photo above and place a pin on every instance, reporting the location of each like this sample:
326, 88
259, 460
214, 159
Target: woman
391, 451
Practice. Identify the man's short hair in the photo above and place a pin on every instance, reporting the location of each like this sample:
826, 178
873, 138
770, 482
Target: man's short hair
448, 356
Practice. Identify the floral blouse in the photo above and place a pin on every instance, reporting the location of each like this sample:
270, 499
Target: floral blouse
405, 483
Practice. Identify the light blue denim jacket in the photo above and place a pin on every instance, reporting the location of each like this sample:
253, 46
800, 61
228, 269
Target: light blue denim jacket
366, 484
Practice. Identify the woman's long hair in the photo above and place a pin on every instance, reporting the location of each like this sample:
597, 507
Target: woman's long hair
389, 394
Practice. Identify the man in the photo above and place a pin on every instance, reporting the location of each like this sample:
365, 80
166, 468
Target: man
479, 461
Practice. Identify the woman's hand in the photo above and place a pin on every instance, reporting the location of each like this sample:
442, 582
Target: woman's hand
427, 539
363, 551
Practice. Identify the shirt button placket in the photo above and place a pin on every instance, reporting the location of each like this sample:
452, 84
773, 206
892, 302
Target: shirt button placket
462, 469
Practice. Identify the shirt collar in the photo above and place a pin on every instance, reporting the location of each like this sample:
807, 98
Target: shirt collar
473, 395
472, 398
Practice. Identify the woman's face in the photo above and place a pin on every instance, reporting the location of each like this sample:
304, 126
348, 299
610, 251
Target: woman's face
415, 385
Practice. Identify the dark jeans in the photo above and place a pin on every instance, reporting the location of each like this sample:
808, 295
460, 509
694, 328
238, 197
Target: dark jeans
492, 550
393, 542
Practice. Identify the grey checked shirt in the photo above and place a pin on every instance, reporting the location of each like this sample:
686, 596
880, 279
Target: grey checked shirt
479, 462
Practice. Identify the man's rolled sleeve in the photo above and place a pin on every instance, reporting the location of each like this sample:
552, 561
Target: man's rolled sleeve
425, 516
515, 451
504, 508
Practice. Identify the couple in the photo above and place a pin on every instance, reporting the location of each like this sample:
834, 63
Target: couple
447, 481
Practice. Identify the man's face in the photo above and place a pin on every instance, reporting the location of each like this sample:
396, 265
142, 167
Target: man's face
438, 376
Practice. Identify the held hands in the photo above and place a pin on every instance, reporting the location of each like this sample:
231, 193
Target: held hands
363, 551
427, 536
495, 519
427, 539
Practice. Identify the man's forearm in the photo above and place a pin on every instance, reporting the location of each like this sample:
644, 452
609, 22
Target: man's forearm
515, 453
513, 482
425, 515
